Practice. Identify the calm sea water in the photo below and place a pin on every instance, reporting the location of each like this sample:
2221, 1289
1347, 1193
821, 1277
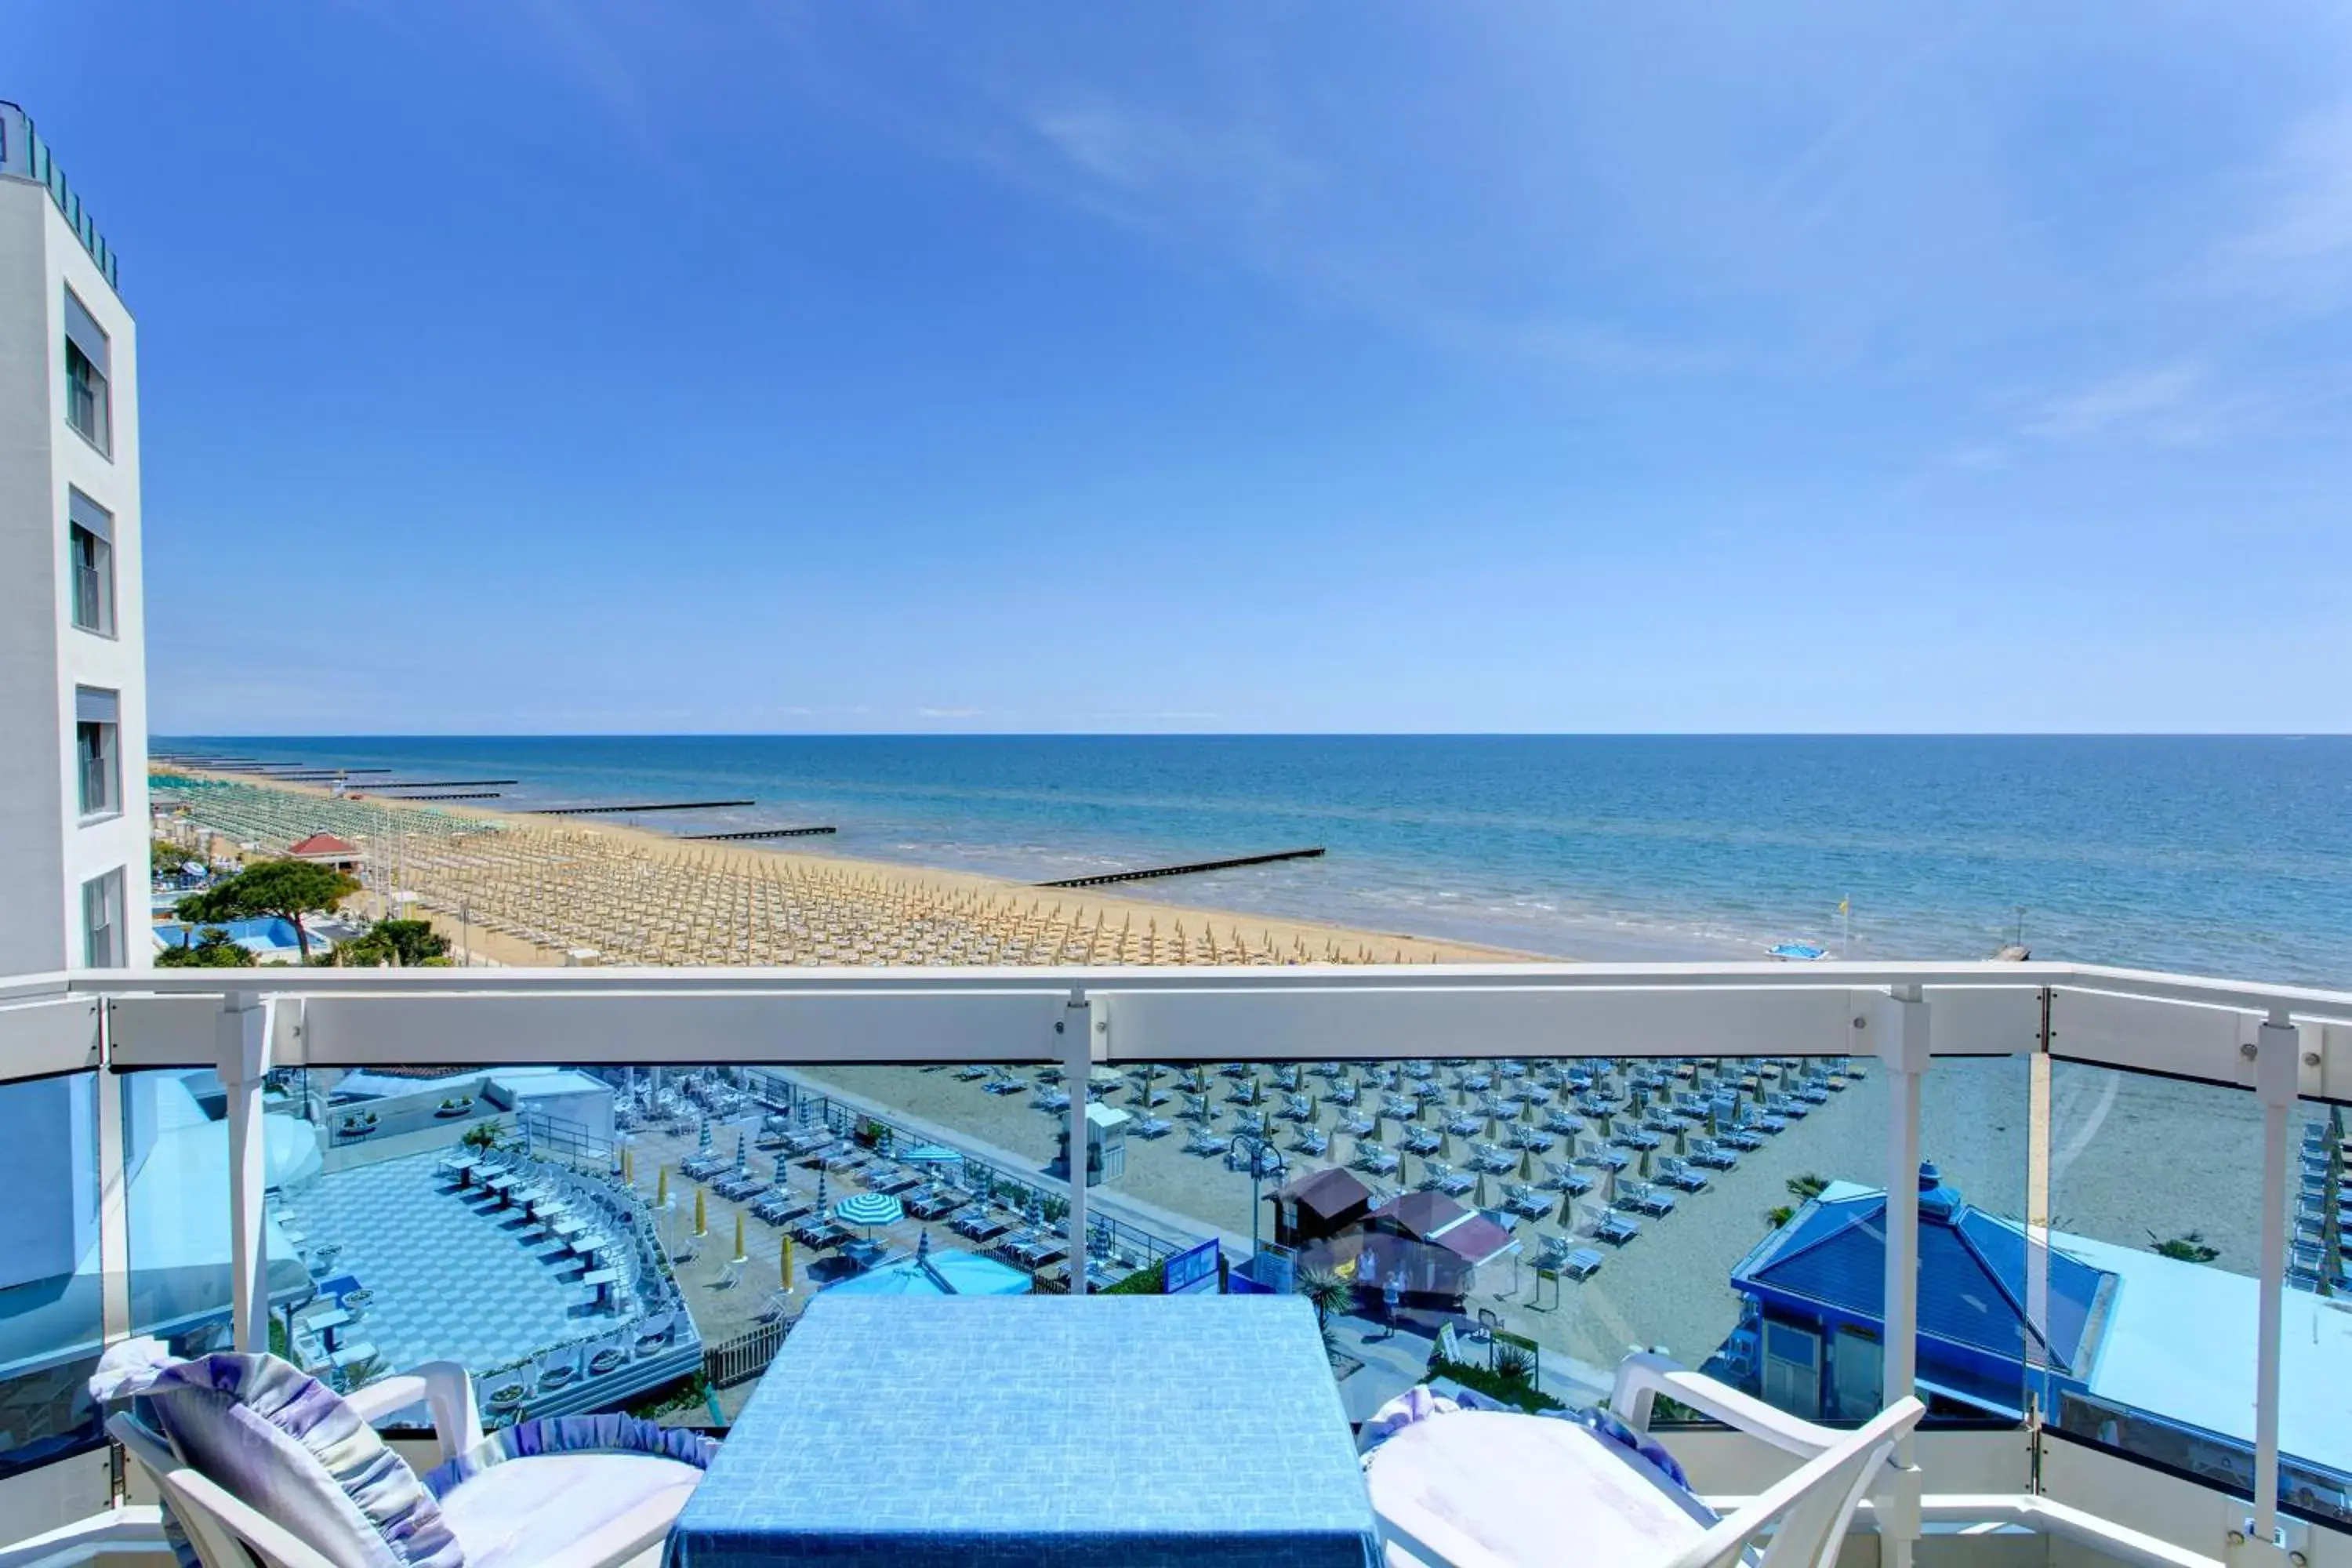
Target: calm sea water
2216, 855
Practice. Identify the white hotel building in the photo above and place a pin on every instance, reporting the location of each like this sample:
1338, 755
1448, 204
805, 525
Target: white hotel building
73, 655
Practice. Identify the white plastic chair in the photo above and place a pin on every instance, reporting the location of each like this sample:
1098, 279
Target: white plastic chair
228, 1532
1485, 1513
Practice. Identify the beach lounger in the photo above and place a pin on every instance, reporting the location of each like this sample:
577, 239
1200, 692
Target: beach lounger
1311, 1140
1298, 1108
1355, 1125
1492, 1158
1052, 1100
1552, 1252
1205, 1142
1635, 1138
1640, 1197
1422, 1141
1373, 1157
1006, 1083
1526, 1201
893, 1180
1711, 1154
1530, 1140
1153, 1126
1562, 1176
972, 1072
1679, 1174
1562, 1123
1344, 1094
781, 1209
1615, 1228
1582, 1263
1602, 1157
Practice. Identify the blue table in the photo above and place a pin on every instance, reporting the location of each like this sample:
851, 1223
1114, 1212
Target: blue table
1144, 1431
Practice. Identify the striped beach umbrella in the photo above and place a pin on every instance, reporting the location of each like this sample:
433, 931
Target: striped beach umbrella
869, 1209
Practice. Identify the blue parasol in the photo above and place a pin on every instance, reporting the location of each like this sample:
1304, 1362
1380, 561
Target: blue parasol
869, 1209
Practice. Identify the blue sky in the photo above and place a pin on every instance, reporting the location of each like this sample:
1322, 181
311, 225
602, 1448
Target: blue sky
901, 367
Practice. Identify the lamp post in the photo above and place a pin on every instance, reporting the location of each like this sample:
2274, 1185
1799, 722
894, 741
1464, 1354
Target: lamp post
1265, 1160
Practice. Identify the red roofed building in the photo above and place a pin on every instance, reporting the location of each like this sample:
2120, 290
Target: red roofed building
326, 849
1436, 1218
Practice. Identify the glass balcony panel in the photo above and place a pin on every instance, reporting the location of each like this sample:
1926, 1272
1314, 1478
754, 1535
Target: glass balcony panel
2156, 1200
52, 1308
640, 1239
2315, 1316
177, 1214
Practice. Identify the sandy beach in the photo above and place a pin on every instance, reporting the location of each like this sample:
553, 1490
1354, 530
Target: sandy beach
512, 888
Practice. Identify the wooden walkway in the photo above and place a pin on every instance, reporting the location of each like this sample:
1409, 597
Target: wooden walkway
763, 833
647, 806
1106, 879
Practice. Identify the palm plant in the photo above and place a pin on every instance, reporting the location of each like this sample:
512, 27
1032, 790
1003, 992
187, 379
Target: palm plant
1326, 1291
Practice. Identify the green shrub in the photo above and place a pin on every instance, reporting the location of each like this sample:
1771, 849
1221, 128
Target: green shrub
1145, 1281
1482, 1380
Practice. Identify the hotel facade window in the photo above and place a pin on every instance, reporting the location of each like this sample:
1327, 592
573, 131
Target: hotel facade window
97, 751
90, 553
101, 921
89, 367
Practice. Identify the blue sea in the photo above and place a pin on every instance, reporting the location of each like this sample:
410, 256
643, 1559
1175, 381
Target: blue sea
2220, 855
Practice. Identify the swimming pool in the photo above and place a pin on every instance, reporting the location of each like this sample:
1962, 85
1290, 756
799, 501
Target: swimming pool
263, 933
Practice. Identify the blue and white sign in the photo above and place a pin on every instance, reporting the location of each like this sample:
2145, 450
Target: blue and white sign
1191, 1272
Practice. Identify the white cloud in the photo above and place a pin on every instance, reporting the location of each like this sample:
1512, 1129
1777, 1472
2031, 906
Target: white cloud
2298, 251
2137, 402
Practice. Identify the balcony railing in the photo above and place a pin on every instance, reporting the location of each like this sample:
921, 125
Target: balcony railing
1621, 1127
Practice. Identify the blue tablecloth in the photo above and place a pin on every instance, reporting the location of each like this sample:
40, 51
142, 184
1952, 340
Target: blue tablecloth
1136, 1430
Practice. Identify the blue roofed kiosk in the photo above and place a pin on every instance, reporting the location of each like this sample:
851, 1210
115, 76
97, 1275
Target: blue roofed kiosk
2127, 1333
1818, 1290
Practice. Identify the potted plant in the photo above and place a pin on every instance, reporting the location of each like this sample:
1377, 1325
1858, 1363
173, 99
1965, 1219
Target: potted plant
457, 1106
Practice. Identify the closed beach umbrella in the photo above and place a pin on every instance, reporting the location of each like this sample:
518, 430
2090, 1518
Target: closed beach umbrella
701, 1225
741, 1256
869, 1209
702, 1144
661, 1187
1478, 1198
784, 1263
1527, 1166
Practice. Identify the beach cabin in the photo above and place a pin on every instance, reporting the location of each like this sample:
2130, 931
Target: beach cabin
1106, 1143
1319, 1205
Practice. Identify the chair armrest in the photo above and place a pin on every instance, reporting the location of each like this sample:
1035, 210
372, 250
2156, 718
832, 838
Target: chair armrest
444, 1386
621, 1539
1642, 1377
1431, 1541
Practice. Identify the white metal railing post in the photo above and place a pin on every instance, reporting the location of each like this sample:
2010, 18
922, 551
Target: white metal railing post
1903, 1052
113, 1186
243, 1058
1077, 1034
2275, 1073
